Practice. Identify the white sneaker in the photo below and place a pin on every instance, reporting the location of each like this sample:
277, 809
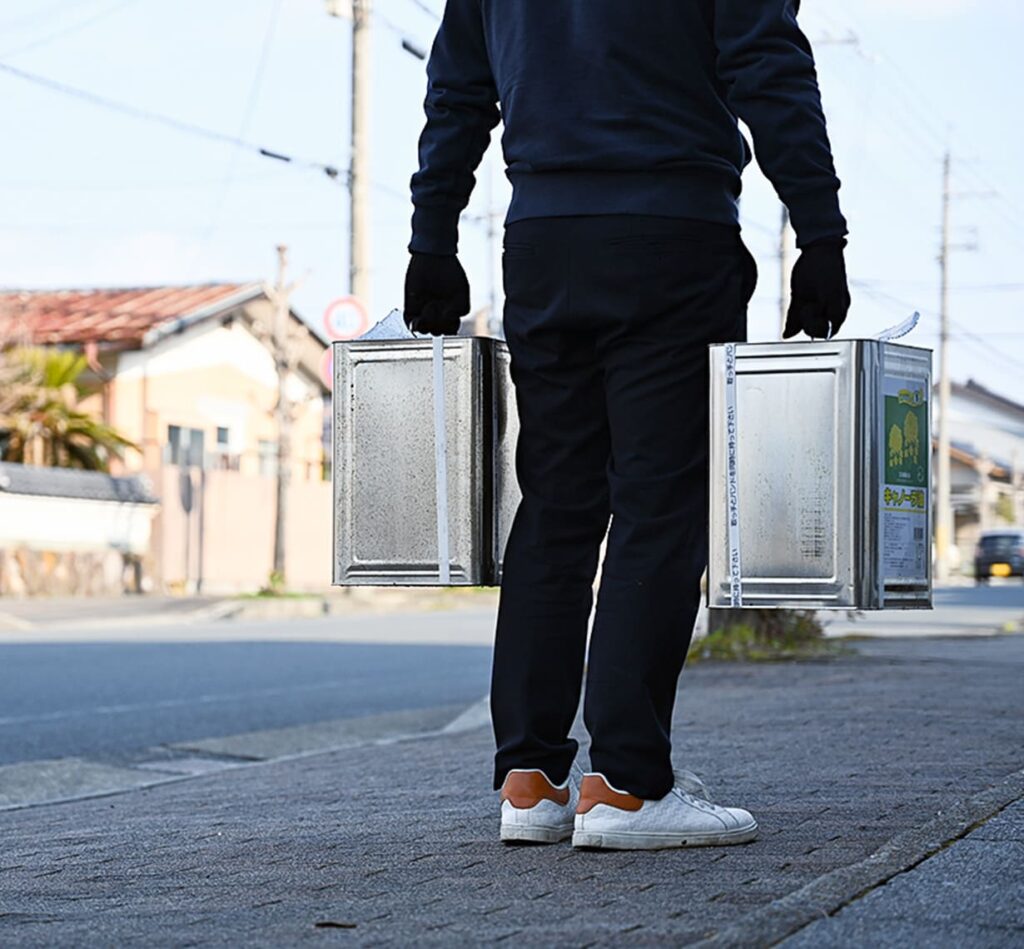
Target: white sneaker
609, 819
534, 810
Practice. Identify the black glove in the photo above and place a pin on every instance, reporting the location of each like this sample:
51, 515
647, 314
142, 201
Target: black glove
820, 295
436, 294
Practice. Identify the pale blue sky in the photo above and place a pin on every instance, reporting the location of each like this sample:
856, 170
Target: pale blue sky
92, 198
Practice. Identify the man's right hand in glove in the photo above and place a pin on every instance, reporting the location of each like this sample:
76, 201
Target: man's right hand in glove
436, 294
820, 296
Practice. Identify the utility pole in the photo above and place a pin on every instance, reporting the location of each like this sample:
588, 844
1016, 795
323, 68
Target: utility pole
359, 170
943, 506
787, 252
283, 414
944, 520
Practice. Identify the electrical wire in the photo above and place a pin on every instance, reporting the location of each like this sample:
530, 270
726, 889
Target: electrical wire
957, 288
747, 222
250, 105
410, 44
188, 128
68, 30
37, 16
429, 11
116, 186
961, 332
916, 108
912, 122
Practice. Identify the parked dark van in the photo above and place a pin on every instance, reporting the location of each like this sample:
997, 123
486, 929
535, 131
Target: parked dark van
1000, 553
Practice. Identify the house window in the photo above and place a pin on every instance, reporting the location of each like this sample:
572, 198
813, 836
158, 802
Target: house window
195, 447
224, 459
173, 444
184, 446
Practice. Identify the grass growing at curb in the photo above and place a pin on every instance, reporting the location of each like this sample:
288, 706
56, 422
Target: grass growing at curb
266, 594
767, 636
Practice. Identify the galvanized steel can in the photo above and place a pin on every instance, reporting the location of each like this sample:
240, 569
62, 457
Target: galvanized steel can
820, 476
385, 499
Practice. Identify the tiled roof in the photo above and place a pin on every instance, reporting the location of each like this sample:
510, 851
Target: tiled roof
966, 453
112, 316
71, 483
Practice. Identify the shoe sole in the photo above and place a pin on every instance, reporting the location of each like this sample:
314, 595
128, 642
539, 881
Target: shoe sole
624, 840
525, 834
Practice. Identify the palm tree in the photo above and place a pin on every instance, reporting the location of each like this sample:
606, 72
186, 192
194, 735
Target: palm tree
40, 422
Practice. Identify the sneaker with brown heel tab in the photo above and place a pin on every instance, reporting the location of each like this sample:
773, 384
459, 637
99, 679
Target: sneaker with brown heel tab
610, 819
534, 810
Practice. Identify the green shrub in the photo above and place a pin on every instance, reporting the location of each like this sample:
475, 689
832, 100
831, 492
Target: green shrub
764, 635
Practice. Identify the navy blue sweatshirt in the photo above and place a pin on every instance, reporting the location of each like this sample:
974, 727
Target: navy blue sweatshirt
623, 107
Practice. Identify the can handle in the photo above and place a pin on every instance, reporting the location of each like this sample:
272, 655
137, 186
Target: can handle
900, 329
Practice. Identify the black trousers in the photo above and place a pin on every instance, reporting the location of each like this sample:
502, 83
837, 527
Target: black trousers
608, 320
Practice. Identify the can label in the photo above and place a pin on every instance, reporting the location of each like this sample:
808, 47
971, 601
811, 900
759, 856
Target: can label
733, 480
906, 445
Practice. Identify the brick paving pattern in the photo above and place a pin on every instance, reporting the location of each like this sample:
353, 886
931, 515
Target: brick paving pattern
397, 843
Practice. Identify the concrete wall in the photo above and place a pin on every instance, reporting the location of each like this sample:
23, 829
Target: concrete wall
25, 572
225, 545
53, 546
48, 523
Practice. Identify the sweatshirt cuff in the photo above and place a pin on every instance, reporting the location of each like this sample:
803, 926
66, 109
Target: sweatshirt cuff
815, 215
434, 231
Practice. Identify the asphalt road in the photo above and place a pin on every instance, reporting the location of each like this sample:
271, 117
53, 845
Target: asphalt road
109, 693
960, 610
109, 700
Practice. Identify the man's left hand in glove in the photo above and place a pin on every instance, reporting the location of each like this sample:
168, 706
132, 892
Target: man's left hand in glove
436, 294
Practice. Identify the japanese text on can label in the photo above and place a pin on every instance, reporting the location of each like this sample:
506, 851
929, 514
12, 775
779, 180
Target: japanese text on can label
904, 508
732, 478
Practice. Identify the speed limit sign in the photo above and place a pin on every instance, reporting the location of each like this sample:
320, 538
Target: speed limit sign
346, 319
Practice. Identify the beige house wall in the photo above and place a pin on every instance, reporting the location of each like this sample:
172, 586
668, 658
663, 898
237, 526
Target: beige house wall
212, 376
220, 374
225, 545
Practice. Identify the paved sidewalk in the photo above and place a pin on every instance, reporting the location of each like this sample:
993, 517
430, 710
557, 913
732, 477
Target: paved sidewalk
859, 770
56, 616
963, 896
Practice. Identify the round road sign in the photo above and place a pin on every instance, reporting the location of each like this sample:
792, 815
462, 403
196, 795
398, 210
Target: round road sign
346, 319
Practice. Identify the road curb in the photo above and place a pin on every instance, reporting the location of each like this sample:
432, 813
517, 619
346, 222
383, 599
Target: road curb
10, 622
76, 779
827, 894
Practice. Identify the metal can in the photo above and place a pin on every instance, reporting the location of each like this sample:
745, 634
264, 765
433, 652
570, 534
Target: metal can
820, 476
385, 486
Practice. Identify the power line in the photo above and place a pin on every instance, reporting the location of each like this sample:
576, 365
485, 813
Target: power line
772, 232
429, 11
178, 125
916, 112
916, 108
111, 186
247, 111
68, 30
261, 68
1007, 212
37, 15
961, 332
961, 288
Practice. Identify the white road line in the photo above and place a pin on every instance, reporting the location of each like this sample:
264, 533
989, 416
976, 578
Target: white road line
212, 699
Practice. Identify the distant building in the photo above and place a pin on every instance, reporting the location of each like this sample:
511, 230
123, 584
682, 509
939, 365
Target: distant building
186, 371
987, 463
188, 374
